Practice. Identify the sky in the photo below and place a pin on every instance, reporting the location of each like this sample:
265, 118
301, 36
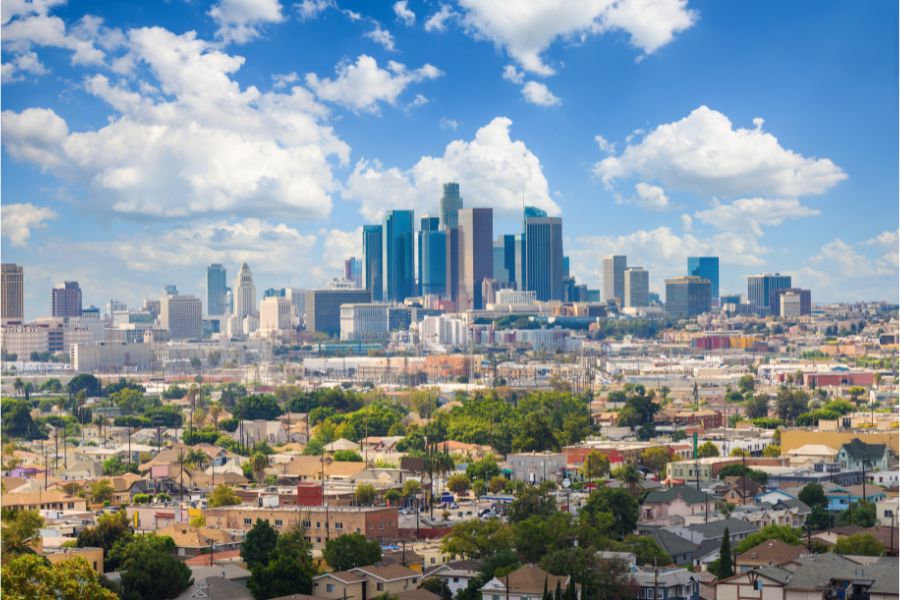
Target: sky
143, 140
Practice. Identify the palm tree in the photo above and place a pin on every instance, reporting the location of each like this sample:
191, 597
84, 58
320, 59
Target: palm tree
21, 531
630, 476
215, 410
18, 385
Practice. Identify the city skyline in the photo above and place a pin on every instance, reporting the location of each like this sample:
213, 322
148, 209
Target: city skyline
807, 185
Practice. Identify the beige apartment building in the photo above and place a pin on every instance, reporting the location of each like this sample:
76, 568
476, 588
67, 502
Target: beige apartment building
362, 583
321, 523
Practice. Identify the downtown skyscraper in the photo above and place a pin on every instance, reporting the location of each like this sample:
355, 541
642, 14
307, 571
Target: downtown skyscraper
66, 299
373, 261
476, 257
399, 255
432, 258
761, 290
543, 249
244, 293
614, 278
216, 289
706, 267
451, 203
12, 288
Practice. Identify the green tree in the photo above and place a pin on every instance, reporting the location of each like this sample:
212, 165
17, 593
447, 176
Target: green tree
535, 536
483, 469
631, 477
347, 456
747, 384
21, 532
656, 459
364, 494
497, 483
478, 539
259, 462
813, 494
110, 529
289, 571
859, 544
707, 449
150, 569
595, 465
791, 403
859, 513
351, 550
458, 483
726, 566
772, 451
223, 495
530, 501
411, 487
784, 533
646, 550
535, 435
259, 543
438, 586
615, 502
31, 577
261, 406
84, 381
599, 579
757, 406
101, 491
17, 421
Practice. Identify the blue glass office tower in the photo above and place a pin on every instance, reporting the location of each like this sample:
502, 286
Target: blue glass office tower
216, 289
761, 289
432, 258
373, 253
399, 255
544, 257
706, 267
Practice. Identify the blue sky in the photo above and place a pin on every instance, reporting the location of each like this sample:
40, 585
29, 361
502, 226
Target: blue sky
143, 140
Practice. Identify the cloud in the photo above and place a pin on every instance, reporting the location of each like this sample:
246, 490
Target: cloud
381, 36
283, 80
512, 74
753, 213
703, 153
20, 219
360, 86
651, 197
438, 21
25, 62
889, 239
449, 124
526, 29
494, 170
404, 14
239, 21
204, 146
311, 9
849, 263
605, 146
339, 245
540, 94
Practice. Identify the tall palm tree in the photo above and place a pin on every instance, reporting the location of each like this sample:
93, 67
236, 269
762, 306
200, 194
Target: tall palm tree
215, 410
631, 477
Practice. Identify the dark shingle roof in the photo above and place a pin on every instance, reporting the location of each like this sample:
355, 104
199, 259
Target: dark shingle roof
674, 545
859, 450
716, 529
689, 494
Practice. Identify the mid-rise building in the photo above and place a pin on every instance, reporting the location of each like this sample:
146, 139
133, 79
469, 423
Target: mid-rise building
687, 296
444, 330
706, 267
399, 257
353, 271
451, 203
791, 302
181, 316
373, 259
515, 297
244, 293
760, 290
216, 289
323, 308
637, 287
614, 278
108, 357
66, 299
274, 314
13, 292
365, 322
432, 258
476, 260
544, 257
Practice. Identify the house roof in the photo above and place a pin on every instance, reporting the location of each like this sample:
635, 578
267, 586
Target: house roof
342, 576
716, 529
690, 495
674, 545
388, 572
860, 450
770, 552
530, 579
417, 594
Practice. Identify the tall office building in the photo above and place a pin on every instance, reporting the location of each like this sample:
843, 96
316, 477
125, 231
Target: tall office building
544, 257
451, 203
216, 288
706, 267
66, 299
373, 257
614, 278
476, 257
637, 287
426, 224
353, 271
244, 294
274, 314
323, 308
181, 316
399, 255
13, 292
432, 258
687, 296
505, 260
453, 263
791, 302
760, 289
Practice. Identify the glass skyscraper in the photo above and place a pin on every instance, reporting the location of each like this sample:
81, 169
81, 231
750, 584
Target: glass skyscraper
373, 258
761, 289
451, 202
216, 288
544, 257
432, 258
706, 267
399, 255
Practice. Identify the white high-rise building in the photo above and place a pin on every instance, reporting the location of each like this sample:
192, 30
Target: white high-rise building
274, 314
244, 293
182, 316
637, 287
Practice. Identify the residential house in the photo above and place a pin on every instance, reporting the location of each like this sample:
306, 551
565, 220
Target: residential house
43, 500
362, 583
536, 467
858, 455
768, 553
743, 490
661, 505
528, 582
666, 583
457, 574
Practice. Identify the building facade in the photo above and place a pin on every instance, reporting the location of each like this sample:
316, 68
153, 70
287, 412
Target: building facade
399, 255
706, 267
687, 296
364, 322
476, 259
544, 257
451, 203
432, 258
66, 299
637, 287
181, 316
244, 293
216, 289
373, 260
13, 292
761, 288
614, 278
323, 308
275, 314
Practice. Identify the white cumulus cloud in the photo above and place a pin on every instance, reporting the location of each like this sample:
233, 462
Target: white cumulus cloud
651, 197
381, 36
754, 213
538, 93
361, 85
403, 13
494, 171
239, 21
438, 21
18, 221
